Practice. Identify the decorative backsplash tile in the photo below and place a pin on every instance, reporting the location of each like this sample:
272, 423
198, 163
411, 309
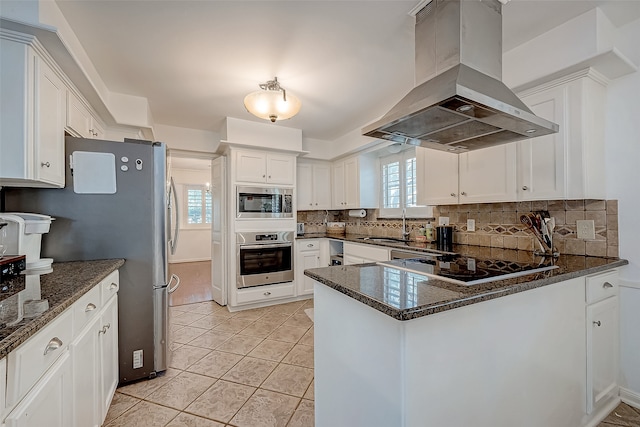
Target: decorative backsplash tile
497, 224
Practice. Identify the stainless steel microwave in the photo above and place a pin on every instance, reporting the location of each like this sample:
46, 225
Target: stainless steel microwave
264, 202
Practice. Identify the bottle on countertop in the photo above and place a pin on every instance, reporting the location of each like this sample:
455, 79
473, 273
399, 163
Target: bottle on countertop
429, 232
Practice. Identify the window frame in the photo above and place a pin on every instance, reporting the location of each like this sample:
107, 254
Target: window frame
184, 205
418, 211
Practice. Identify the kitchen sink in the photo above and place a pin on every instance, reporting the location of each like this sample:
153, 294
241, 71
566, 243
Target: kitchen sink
383, 239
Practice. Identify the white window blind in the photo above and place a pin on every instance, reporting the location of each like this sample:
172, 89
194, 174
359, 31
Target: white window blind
197, 206
399, 186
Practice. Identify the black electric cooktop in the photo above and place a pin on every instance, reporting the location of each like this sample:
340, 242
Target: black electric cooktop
466, 271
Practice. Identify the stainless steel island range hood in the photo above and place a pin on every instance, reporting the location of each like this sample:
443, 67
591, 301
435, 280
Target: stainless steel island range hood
462, 104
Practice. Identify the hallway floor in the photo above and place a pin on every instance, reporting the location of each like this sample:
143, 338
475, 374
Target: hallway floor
195, 282
252, 368
623, 415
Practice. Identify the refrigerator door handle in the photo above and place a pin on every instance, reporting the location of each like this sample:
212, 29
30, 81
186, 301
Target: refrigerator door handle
173, 241
170, 289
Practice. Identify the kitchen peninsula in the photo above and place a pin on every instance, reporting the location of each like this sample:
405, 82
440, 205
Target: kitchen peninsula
394, 348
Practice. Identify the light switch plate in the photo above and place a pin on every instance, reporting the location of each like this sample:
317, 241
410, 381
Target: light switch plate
586, 229
443, 220
471, 225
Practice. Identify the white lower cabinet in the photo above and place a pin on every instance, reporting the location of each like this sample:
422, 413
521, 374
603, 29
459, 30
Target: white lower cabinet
307, 256
50, 401
360, 254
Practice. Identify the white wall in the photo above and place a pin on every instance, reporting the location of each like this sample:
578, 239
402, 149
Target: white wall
193, 244
178, 138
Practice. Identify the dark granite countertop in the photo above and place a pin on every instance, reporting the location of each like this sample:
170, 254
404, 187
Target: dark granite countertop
61, 287
404, 296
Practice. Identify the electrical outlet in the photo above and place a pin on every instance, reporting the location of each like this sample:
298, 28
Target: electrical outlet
586, 229
137, 359
443, 220
471, 225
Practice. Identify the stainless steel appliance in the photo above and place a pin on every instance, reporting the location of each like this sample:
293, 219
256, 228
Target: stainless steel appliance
300, 228
264, 258
459, 102
132, 223
264, 202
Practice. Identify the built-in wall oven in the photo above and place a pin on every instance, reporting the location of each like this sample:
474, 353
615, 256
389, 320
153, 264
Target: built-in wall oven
264, 202
264, 258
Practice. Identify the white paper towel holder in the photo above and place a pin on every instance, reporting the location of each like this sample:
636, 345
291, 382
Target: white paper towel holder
357, 213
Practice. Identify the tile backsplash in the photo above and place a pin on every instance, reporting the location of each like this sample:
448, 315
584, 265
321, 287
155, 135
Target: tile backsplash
496, 224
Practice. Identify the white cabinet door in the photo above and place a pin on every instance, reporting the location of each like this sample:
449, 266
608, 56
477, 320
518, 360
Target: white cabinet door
108, 350
351, 260
49, 124
307, 260
321, 186
251, 166
339, 200
304, 187
602, 351
78, 116
437, 176
351, 184
86, 366
280, 168
50, 402
488, 175
541, 160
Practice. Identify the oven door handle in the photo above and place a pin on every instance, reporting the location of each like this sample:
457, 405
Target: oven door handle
266, 246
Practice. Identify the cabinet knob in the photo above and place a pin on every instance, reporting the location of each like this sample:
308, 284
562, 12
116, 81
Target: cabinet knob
310, 204
53, 345
90, 307
266, 294
463, 193
525, 188
607, 285
316, 204
269, 176
453, 194
264, 176
597, 323
45, 165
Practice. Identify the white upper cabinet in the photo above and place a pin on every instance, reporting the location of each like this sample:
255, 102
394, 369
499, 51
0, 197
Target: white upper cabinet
313, 186
437, 176
264, 167
80, 122
355, 183
33, 108
488, 175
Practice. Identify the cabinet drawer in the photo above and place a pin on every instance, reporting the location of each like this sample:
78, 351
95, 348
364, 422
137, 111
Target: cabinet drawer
30, 360
110, 286
601, 286
308, 245
86, 308
265, 293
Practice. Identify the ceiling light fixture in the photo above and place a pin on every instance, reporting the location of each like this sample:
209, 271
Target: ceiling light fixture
272, 102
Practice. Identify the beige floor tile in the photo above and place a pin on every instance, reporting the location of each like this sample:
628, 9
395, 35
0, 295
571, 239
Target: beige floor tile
250, 371
211, 339
174, 346
308, 304
215, 364
288, 334
207, 307
185, 318
310, 394
304, 415
252, 314
300, 320
221, 401
233, 325
301, 355
187, 420
119, 405
307, 339
259, 329
208, 321
240, 344
266, 409
144, 388
186, 356
186, 334
271, 350
274, 317
145, 414
289, 379
288, 308
181, 390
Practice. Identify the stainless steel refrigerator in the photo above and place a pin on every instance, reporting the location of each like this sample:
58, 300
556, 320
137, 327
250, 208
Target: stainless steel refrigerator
116, 205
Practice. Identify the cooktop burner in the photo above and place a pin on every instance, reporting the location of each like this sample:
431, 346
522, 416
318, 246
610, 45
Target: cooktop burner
466, 271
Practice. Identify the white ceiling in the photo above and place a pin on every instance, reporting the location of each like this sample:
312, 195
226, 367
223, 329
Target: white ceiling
347, 61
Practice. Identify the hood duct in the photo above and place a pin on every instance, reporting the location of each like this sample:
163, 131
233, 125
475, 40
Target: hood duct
460, 103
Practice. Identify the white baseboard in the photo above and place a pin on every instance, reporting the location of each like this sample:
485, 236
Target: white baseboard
630, 397
600, 414
179, 261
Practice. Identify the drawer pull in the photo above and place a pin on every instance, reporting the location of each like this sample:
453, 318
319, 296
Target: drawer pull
90, 307
104, 329
607, 285
53, 345
310, 245
597, 323
113, 286
266, 294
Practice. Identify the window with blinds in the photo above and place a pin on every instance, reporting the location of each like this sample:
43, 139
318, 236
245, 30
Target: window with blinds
197, 205
399, 186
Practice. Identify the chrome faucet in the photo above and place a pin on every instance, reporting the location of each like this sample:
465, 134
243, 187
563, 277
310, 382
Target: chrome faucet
405, 232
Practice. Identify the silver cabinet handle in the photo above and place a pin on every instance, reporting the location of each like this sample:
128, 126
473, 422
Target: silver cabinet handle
607, 285
90, 307
525, 188
453, 194
53, 345
113, 286
47, 164
104, 329
263, 176
597, 323
310, 245
266, 294
463, 193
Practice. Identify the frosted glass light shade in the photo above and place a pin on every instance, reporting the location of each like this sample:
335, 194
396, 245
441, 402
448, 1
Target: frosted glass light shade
270, 105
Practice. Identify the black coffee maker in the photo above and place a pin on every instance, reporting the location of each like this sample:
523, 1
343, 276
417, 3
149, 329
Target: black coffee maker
444, 238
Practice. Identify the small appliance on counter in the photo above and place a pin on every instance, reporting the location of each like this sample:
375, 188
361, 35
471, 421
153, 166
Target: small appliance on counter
445, 238
22, 235
300, 229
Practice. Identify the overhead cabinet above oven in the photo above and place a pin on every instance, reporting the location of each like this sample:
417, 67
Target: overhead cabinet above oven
254, 166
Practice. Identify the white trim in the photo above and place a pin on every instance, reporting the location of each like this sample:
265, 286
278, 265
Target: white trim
599, 415
184, 260
630, 397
